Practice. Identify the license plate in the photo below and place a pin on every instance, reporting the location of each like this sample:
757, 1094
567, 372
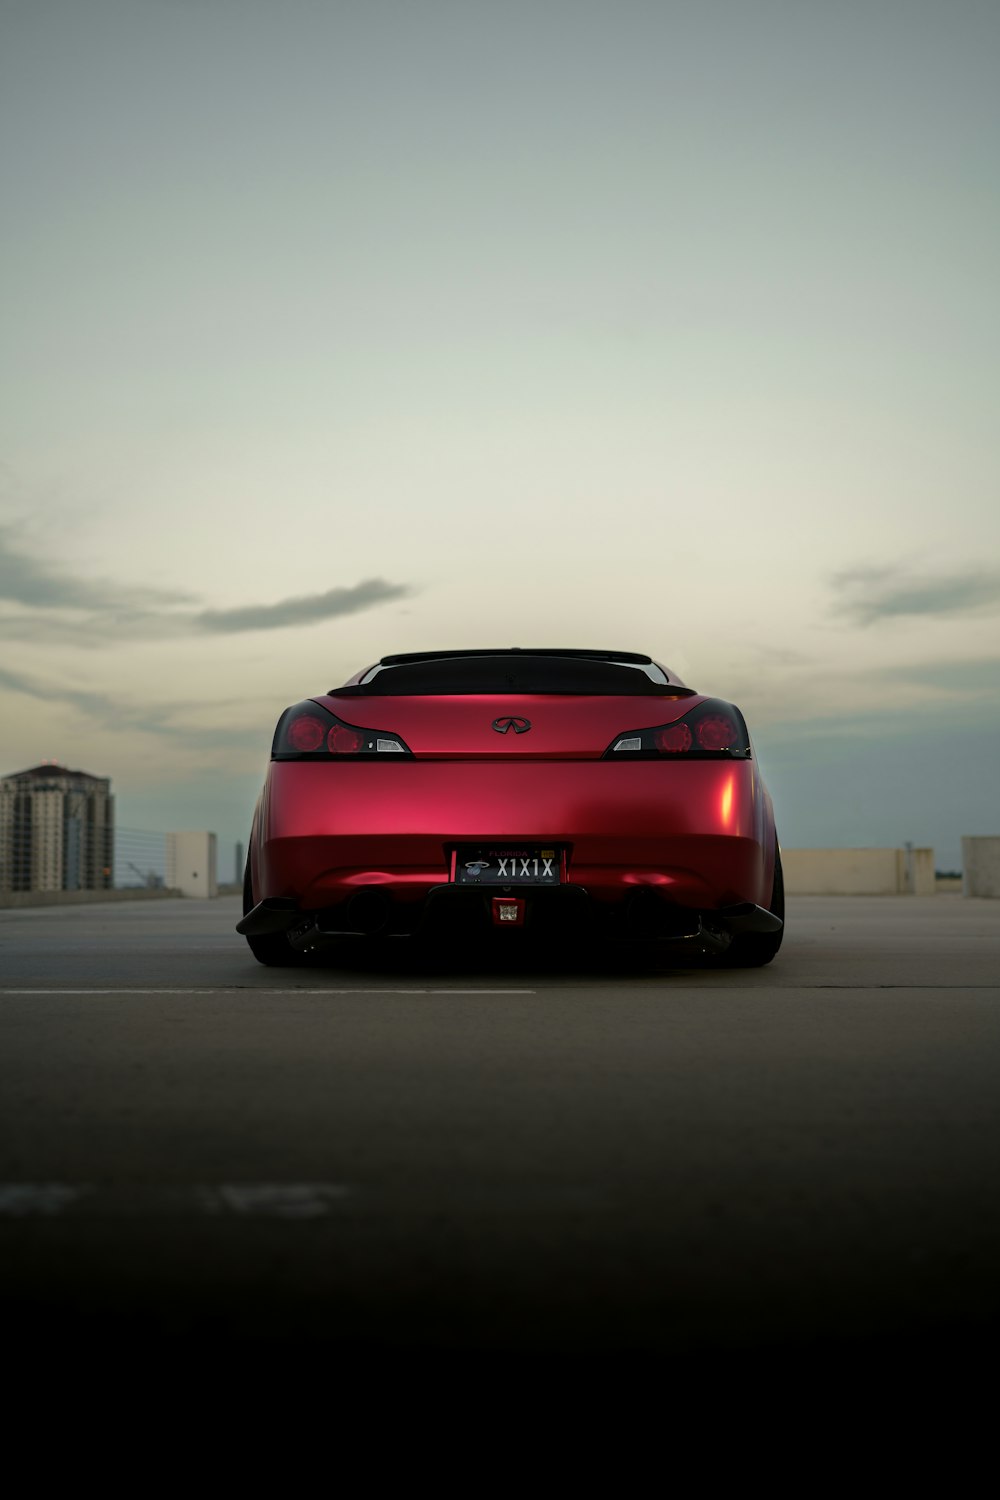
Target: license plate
507, 866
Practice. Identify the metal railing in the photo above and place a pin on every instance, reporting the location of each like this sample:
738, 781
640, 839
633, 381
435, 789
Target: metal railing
50, 847
68, 855
140, 859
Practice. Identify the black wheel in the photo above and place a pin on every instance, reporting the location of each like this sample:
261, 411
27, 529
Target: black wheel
269, 948
751, 950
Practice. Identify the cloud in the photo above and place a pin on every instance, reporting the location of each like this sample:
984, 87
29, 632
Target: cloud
16, 682
26, 581
53, 606
305, 610
101, 707
870, 594
233, 728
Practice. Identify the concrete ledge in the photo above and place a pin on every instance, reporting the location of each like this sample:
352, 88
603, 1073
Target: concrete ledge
981, 866
858, 872
191, 862
13, 899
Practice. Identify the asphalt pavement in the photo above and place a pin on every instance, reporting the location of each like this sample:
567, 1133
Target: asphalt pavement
409, 1156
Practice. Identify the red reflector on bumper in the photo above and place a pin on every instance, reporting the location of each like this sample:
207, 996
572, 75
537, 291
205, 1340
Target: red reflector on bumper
508, 911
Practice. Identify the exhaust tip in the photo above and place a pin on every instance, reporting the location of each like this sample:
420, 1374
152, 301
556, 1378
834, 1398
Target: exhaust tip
368, 912
644, 915
648, 915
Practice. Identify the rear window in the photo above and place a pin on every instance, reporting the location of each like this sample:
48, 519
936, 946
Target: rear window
521, 674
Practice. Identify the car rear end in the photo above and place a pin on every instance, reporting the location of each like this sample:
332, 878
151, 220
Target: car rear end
485, 791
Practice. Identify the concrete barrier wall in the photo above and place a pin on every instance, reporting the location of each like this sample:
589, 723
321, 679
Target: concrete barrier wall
808, 872
981, 866
918, 871
191, 860
858, 872
82, 898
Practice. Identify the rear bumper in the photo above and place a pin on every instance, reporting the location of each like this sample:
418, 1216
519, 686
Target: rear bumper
451, 910
697, 834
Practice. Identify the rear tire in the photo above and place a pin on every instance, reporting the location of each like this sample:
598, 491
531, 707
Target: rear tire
271, 948
751, 950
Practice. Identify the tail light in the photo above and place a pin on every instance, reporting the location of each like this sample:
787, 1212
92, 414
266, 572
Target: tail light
310, 732
714, 730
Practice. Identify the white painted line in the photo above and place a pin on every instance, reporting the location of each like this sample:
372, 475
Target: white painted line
125, 989
39, 1200
269, 1200
276, 1200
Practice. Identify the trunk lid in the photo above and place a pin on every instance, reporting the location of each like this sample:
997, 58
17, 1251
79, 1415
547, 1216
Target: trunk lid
461, 726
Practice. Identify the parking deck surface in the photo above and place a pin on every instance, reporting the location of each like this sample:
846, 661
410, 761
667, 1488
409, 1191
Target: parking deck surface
525, 1155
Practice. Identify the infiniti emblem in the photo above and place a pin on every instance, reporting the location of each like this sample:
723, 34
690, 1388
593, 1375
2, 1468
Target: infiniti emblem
519, 726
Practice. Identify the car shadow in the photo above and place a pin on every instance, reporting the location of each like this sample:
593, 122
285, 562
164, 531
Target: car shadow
508, 956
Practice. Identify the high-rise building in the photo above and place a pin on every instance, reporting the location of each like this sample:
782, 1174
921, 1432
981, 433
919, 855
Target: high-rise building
56, 831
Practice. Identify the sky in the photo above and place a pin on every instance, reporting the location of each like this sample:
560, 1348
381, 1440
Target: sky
337, 329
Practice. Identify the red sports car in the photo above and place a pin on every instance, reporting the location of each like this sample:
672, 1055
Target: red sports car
505, 791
